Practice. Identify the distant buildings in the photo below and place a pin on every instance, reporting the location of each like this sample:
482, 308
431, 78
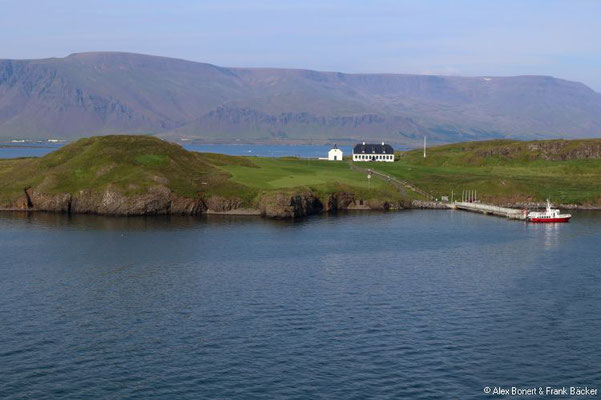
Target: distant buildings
335, 154
373, 152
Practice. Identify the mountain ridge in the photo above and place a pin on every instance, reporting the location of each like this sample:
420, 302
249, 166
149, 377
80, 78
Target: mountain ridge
94, 93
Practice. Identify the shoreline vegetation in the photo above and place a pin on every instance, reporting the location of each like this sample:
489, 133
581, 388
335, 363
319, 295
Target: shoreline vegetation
143, 175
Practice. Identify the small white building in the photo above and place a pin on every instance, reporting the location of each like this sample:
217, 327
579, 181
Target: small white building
335, 154
373, 152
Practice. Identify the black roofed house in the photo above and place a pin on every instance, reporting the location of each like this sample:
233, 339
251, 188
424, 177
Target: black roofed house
373, 152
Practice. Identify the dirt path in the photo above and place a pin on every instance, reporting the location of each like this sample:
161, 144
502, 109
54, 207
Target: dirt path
401, 185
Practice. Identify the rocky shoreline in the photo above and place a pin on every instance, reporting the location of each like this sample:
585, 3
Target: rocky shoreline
161, 201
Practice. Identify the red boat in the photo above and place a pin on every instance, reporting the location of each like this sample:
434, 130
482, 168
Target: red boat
550, 215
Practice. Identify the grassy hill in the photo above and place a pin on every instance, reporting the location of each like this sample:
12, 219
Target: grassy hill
137, 165
567, 171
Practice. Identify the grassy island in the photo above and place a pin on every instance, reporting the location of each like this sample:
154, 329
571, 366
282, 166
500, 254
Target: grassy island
136, 169
131, 175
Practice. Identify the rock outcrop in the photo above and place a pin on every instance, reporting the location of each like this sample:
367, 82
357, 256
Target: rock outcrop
550, 150
433, 205
561, 150
290, 206
340, 201
49, 202
219, 204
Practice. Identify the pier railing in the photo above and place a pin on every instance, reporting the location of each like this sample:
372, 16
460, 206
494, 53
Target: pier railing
493, 210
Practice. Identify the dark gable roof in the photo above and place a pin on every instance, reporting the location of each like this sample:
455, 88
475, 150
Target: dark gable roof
373, 149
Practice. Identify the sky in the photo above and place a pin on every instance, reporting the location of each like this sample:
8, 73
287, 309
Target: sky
459, 37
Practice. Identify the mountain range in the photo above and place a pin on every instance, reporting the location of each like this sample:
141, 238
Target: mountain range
98, 93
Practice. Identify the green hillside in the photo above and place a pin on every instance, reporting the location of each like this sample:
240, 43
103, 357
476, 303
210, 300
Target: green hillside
508, 171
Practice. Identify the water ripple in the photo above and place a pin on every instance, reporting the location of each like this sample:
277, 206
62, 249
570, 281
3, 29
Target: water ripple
413, 305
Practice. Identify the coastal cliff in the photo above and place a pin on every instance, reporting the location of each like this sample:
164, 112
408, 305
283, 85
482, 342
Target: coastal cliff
160, 201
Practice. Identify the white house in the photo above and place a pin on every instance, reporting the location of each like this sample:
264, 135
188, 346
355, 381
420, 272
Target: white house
335, 154
373, 152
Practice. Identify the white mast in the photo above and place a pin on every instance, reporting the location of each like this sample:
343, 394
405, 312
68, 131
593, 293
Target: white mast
424, 147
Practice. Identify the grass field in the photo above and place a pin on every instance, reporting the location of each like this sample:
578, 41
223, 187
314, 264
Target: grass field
520, 175
269, 174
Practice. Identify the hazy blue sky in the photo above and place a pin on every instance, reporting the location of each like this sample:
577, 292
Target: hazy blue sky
559, 38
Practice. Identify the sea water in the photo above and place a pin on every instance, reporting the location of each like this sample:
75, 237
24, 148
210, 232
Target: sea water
405, 305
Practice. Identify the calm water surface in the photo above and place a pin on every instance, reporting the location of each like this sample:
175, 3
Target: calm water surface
406, 305
302, 151
9, 150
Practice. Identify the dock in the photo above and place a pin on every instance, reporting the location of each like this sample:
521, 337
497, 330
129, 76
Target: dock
488, 209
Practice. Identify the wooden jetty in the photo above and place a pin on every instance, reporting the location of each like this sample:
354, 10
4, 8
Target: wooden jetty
488, 209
